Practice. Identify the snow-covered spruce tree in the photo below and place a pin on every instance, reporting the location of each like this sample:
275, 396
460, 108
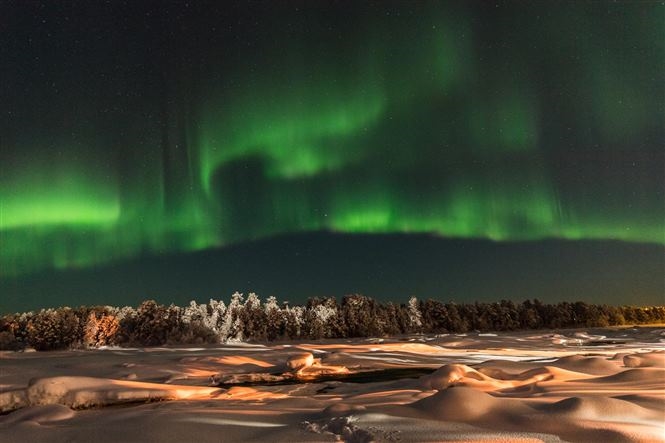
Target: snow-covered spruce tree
54, 329
101, 329
231, 327
455, 322
335, 322
415, 316
176, 329
294, 321
275, 321
253, 318
194, 312
124, 312
325, 314
201, 322
150, 324
156, 324
390, 319
14, 329
361, 316
216, 311
322, 319
127, 316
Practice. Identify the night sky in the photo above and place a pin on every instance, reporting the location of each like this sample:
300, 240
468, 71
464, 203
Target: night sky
468, 149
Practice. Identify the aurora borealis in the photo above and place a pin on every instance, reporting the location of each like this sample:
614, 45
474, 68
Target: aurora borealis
143, 129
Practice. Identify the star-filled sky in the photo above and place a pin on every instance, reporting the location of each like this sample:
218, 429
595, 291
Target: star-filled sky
137, 130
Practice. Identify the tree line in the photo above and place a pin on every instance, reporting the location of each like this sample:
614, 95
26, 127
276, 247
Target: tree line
250, 318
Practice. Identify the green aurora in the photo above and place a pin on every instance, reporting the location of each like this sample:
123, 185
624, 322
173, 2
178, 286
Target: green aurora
372, 118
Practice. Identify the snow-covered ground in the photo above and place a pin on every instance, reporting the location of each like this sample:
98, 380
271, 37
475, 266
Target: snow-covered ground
600, 385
